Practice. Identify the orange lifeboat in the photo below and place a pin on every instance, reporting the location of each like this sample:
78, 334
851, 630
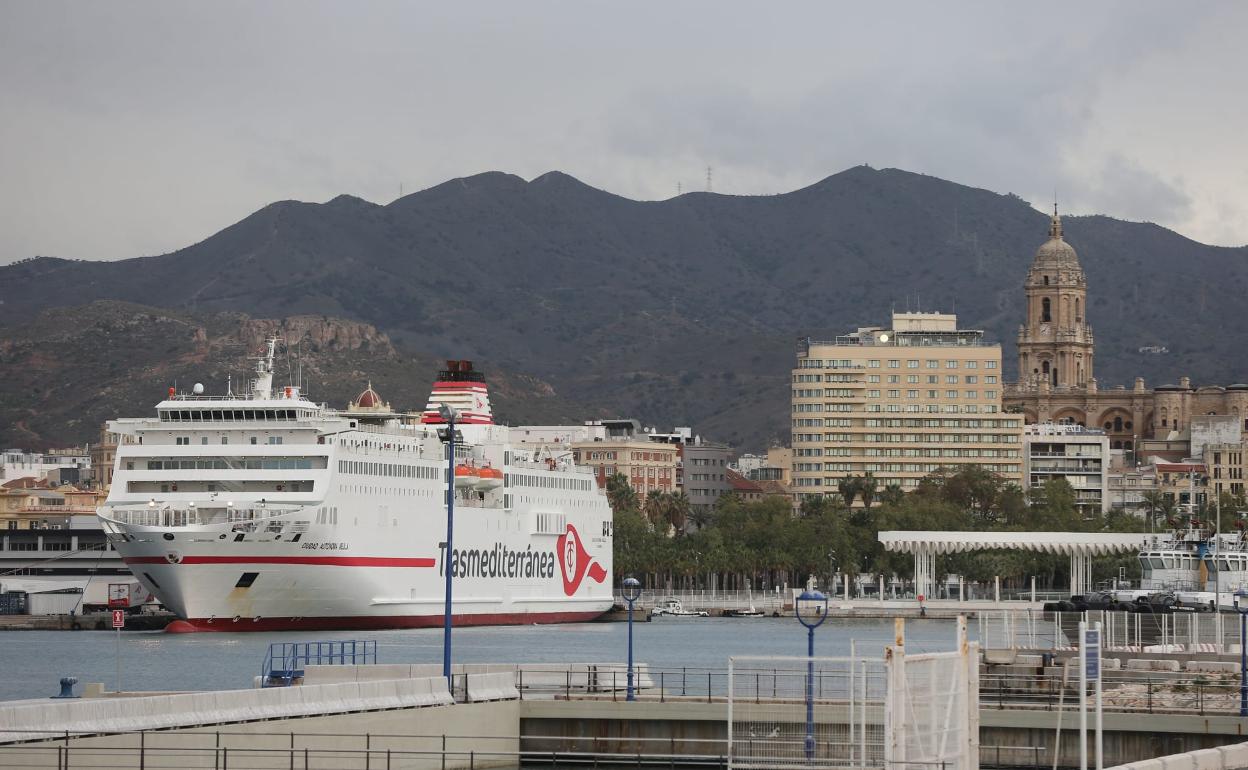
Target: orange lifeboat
465, 476
489, 478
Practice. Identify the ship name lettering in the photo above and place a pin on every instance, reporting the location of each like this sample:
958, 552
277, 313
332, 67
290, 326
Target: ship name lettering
499, 561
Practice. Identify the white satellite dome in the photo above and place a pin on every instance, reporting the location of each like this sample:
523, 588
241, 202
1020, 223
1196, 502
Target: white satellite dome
198, 389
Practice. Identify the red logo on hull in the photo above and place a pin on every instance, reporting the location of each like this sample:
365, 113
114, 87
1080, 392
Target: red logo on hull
575, 562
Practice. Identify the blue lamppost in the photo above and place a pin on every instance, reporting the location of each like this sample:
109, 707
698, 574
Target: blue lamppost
811, 609
631, 592
1241, 606
448, 414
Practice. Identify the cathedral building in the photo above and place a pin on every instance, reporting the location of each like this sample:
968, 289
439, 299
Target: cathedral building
1055, 365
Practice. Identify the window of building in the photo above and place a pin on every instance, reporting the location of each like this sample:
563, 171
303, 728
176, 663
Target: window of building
873, 363
1045, 312
893, 363
912, 364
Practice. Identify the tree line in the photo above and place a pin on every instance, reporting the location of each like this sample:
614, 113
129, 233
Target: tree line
669, 544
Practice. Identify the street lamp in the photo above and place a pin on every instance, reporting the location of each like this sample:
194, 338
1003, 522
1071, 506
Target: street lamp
811, 609
631, 592
448, 414
1241, 606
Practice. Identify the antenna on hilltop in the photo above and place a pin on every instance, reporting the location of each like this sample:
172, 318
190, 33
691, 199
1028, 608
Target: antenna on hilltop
708, 179
679, 190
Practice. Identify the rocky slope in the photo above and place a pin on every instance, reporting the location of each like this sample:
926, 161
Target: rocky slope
73, 368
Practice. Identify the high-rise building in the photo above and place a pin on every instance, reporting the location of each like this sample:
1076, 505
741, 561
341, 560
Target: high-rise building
900, 403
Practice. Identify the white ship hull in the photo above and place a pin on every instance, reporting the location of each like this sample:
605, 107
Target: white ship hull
274, 514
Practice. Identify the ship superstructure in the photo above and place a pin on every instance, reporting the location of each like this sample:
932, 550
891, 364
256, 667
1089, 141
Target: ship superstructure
266, 511
1194, 561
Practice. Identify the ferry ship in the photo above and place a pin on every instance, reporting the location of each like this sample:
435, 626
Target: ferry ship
264, 511
1199, 567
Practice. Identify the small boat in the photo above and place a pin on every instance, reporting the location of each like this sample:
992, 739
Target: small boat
673, 608
750, 613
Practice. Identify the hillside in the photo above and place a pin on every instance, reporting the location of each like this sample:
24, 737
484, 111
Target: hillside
73, 368
680, 311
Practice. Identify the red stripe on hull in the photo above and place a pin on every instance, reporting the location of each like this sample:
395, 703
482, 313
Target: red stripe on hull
375, 623
328, 561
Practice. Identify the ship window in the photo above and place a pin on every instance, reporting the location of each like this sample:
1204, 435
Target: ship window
247, 579
216, 414
186, 416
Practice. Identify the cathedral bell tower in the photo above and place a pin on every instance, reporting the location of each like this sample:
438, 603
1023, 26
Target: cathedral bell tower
1055, 342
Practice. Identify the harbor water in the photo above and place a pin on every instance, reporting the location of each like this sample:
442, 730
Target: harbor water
33, 661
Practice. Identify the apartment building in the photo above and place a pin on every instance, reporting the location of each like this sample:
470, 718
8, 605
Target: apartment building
900, 402
1072, 452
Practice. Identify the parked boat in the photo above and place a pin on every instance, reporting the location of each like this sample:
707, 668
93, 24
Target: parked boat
674, 609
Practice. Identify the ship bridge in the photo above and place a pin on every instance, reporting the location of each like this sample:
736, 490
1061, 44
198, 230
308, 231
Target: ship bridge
1081, 547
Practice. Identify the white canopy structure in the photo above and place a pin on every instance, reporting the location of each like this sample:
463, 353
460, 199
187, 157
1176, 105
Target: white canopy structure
1080, 546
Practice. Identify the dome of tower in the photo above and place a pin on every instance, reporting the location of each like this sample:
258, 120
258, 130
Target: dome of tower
1056, 252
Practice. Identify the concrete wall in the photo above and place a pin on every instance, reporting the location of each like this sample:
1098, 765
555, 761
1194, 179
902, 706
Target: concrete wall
479, 734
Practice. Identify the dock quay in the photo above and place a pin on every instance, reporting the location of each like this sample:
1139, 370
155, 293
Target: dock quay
1013, 709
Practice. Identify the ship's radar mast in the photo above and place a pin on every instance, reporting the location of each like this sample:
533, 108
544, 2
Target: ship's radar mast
263, 387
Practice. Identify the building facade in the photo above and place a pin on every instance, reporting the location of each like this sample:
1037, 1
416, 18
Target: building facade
1055, 365
704, 469
649, 466
900, 402
1079, 455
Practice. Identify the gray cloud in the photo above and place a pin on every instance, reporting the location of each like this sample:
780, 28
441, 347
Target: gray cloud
140, 127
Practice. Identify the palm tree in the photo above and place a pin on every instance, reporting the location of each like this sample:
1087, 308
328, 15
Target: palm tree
848, 487
892, 494
1155, 500
655, 508
866, 489
677, 511
620, 494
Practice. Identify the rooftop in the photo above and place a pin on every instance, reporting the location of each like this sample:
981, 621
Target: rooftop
906, 330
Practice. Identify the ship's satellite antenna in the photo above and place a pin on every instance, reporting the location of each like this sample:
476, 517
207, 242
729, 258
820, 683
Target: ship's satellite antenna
229, 385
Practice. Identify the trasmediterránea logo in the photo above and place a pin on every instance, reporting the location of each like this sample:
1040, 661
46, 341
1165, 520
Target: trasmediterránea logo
575, 562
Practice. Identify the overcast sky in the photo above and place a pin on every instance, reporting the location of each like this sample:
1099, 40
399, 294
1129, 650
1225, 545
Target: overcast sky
139, 128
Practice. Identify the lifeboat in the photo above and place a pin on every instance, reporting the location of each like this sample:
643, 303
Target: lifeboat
488, 478
465, 476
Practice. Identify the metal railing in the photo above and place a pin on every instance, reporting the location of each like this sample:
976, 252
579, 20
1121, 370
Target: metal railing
697, 599
1123, 694
290, 656
377, 751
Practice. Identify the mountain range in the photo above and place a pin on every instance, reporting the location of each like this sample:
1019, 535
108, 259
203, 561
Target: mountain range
683, 311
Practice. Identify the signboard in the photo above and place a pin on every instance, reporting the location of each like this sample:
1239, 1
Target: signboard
119, 619
118, 595
1092, 653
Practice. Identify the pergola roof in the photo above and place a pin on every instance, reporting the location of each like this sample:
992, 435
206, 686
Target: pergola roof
1066, 543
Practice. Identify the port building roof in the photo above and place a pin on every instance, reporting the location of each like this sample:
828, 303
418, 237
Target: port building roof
1065, 543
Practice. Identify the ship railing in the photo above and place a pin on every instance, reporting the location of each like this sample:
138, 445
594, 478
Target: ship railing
560, 467
243, 519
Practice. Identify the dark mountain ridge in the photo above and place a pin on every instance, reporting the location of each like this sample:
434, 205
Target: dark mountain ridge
684, 310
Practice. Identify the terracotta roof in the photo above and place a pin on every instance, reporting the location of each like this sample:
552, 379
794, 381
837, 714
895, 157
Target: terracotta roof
25, 482
1181, 467
741, 483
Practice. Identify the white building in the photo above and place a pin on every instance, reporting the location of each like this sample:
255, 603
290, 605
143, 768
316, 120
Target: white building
1078, 454
17, 463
